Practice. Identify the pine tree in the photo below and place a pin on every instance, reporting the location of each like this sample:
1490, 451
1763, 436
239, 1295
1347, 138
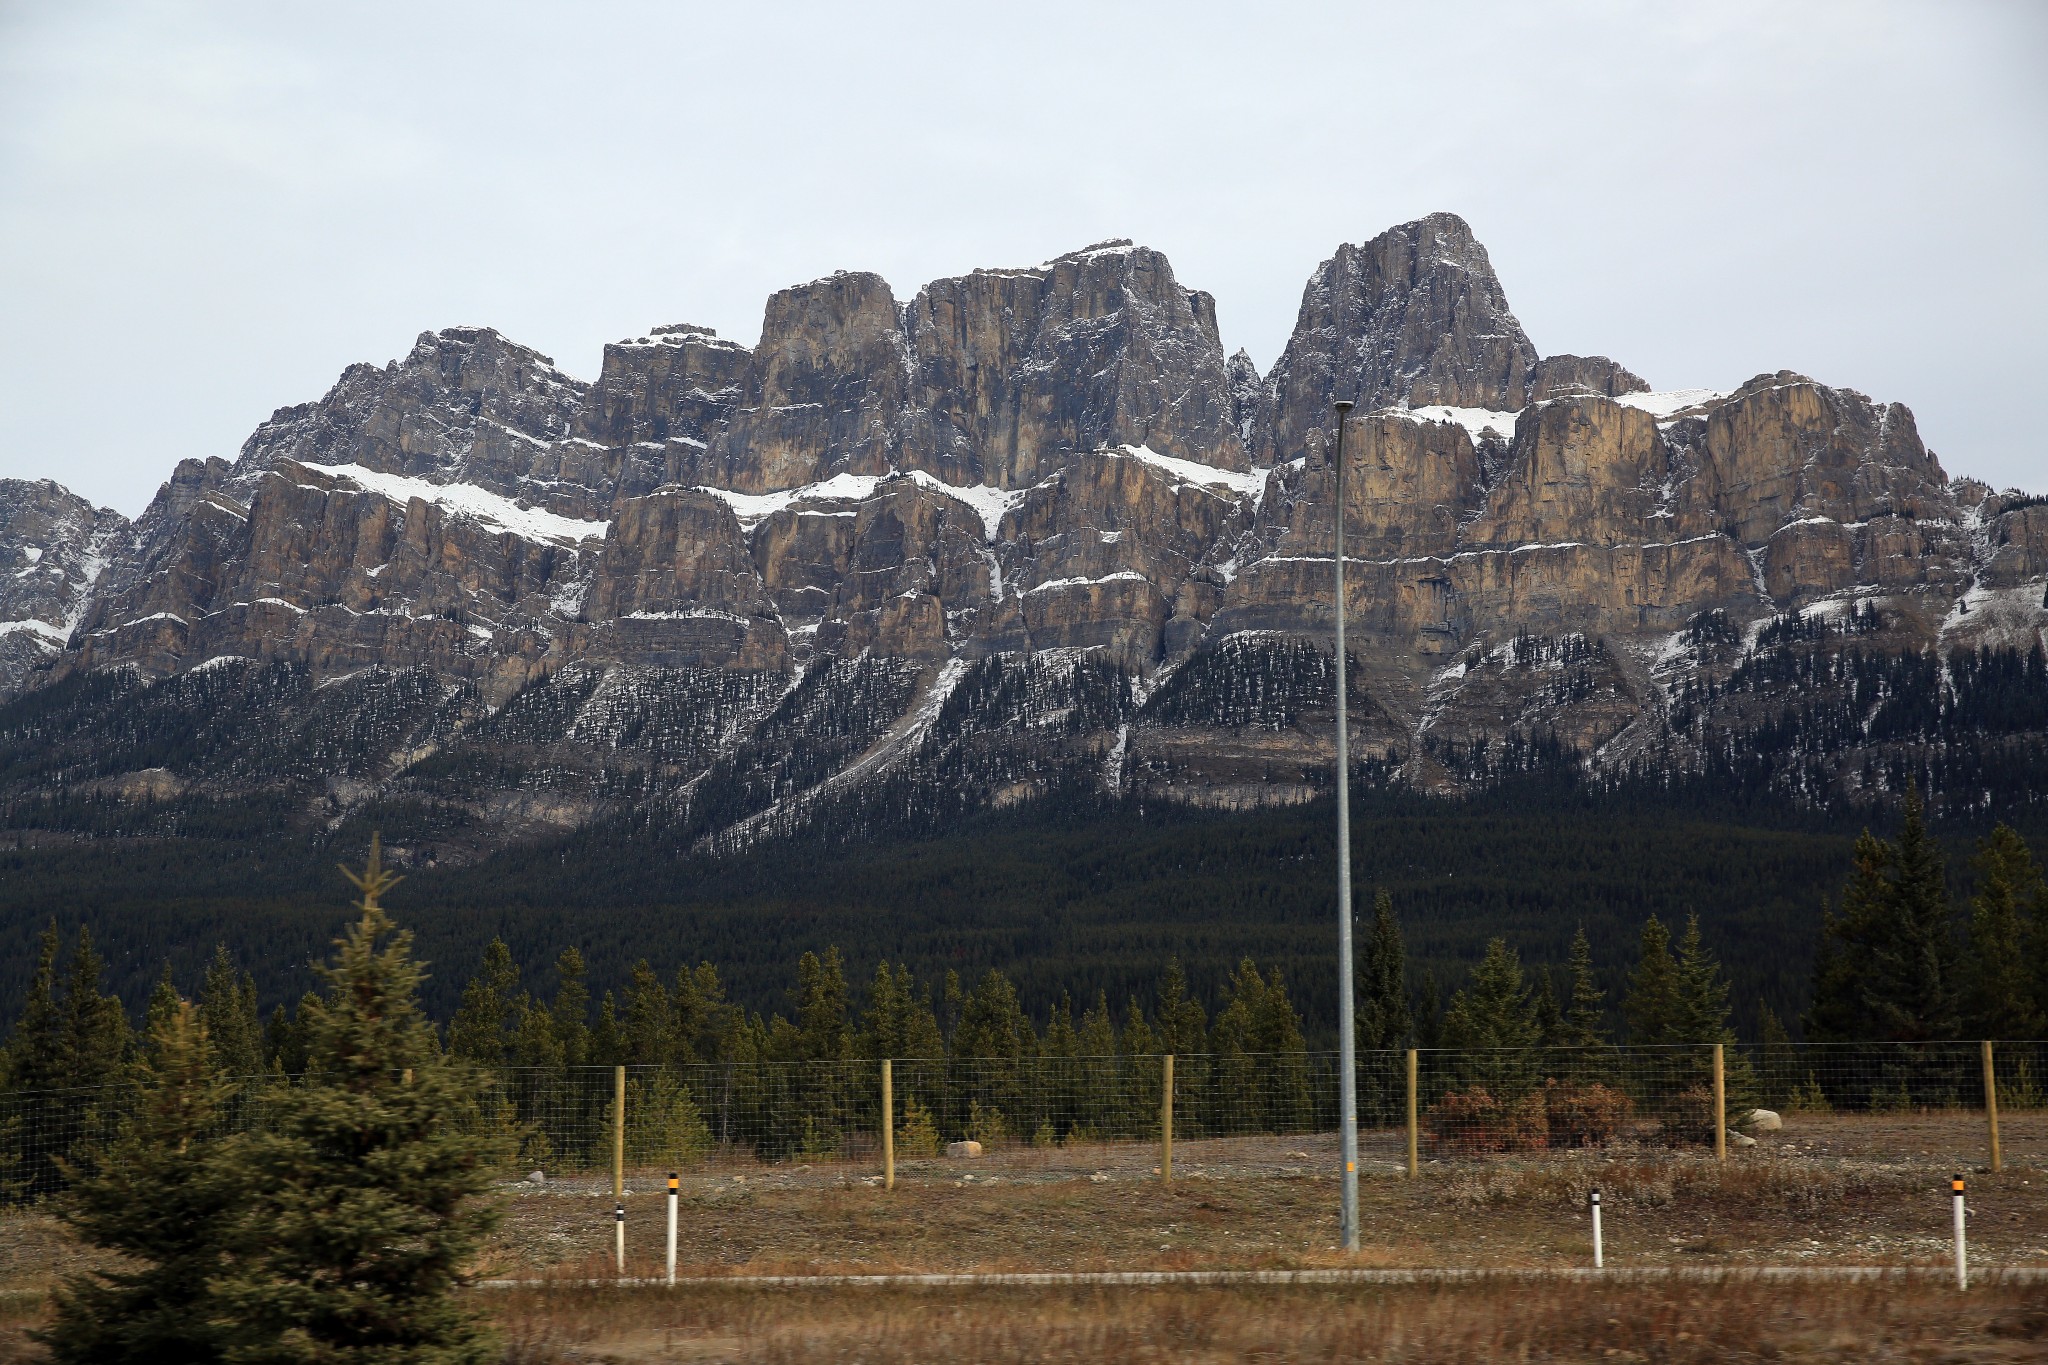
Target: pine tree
36, 1054
482, 1027
1915, 985
569, 1016
1888, 968
1491, 1021
1584, 1018
1702, 993
1183, 1025
1654, 1006
897, 1020
2002, 1000
1383, 1017
648, 1034
824, 1035
992, 1023
162, 1199
1429, 1011
1544, 1012
95, 1026
363, 1202
227, 1008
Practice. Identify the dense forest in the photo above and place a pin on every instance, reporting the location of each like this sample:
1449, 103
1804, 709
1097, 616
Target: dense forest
1075, 897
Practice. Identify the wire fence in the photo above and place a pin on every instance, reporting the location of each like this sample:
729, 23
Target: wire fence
1429, 1105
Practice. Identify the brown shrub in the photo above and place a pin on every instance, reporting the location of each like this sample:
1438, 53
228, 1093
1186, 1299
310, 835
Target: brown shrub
1686, 1119
1472, 1121
1584, 1115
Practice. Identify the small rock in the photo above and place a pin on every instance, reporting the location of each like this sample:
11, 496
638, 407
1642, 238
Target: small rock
1763, 1121
970, 1148
739, 1180
1299, 1156
1100, 1178
1736, 1139
536, 1178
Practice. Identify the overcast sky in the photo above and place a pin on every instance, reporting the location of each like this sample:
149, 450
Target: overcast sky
207, 210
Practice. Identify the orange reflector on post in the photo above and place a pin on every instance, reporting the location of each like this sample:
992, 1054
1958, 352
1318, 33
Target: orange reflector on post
1957, 1184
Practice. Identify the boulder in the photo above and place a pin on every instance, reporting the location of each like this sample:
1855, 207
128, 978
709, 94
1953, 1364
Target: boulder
1763, 1121
970, 1148
1736, 1139
536, 1178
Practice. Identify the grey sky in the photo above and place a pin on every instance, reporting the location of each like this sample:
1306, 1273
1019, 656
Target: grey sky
206, 211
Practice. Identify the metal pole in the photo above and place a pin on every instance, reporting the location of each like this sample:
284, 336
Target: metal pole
1991, 1104
1599, 1253
1347, 1052
674, 1197
888, 1127
1962, 1256
1166, 1123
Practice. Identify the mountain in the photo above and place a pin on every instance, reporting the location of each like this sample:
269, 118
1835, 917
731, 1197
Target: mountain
1028, 532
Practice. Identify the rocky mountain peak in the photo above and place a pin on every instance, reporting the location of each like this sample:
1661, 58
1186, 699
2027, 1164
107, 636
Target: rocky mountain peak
1414, 317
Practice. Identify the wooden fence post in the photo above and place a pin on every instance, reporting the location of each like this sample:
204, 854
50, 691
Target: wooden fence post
1720, 1105
888, 1127
1166, 1123
1991, 1104
618, 1132
1414, 1166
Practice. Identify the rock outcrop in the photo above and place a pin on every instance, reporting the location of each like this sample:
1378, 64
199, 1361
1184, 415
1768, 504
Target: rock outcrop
54, 547
1030, 528
1415, 317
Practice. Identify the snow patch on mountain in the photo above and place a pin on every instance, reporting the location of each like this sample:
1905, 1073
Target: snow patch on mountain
477, 504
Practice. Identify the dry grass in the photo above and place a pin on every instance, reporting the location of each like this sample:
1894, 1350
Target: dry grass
1420, 1324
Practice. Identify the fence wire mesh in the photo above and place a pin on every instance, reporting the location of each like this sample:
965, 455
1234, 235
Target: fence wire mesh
1926, 1100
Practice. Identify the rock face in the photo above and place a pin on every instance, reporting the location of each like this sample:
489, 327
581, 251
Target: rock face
1028, 529
1414, 317
54, 546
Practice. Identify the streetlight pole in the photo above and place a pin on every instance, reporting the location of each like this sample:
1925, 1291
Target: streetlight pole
1347, 1048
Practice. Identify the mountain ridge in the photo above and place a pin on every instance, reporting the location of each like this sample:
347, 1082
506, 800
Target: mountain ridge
738, 585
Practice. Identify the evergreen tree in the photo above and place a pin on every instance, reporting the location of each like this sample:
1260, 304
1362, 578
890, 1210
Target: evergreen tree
1383, 1017
1584, 1018
2005, 923
1545, 1013
482, 1027
1915, 985
569, 1016
36, 1052
362, 1204
1492, 1024
1429, 1011
708, 1027
95, 1026
1888, 966
992, 1023
162, 1200
1183, 1025
898, 1021
72, 1044
648, 1034
227, 1009
1702, 993
1654, 1006
824, 1033
1496, 1011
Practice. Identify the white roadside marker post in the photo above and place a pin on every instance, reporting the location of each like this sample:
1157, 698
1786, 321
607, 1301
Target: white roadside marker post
1599, 1258
1962, 1252
619, 1235
674, 1194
